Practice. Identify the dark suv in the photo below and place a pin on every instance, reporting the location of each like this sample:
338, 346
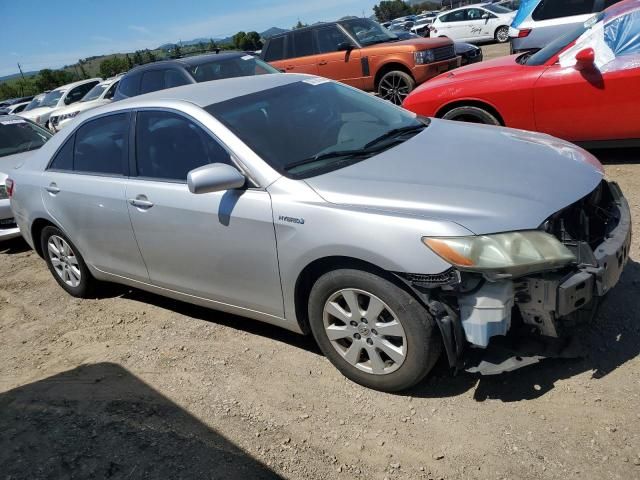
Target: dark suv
363, 54
202, 68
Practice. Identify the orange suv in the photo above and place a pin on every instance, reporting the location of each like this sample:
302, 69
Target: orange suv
363, 54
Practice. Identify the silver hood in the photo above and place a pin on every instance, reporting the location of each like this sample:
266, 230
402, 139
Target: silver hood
487, 179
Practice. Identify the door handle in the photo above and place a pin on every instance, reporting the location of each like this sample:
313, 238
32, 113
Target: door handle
289, 67
322, 62
52, 189
141, 202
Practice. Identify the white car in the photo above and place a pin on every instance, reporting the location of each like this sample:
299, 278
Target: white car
475, 23
59, 98
99, 95
14, 109
422, 25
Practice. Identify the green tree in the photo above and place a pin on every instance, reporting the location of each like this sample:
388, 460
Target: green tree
48, 79
137, 58
389, 9
176, 51
113, 66
83, 72
151, 57
247, 41
213, 46
129, 61
239, 39
299, 25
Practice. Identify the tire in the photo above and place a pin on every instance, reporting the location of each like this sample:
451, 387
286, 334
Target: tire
471, 115
395, 86
390, 320
66, 264
502, 34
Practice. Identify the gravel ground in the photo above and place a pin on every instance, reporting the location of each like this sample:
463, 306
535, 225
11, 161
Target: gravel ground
132, 385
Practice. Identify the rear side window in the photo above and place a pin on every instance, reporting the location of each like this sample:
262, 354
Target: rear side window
101, 146
169, 146
303, 43
129, 85
549, 9
275, 51
174, 78
64, 158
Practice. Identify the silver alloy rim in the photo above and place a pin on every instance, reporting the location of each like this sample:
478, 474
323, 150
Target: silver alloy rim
365, 331
503, 35
394, 88
64, 261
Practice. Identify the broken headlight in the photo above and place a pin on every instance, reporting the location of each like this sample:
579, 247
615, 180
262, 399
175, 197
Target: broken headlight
514, 253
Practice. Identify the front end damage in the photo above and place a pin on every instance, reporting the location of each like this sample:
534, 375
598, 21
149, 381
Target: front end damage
532, 316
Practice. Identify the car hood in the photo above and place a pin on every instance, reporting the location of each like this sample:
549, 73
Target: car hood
487, 179
36, 112
409, 45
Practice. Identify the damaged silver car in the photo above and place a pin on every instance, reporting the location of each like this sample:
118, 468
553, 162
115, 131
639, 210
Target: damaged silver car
312, 206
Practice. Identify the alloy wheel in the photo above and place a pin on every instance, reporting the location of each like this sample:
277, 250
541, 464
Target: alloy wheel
64, 261
394, 88
365, 331
502, 35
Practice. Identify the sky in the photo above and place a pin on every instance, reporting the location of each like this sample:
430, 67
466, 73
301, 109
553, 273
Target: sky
50, 34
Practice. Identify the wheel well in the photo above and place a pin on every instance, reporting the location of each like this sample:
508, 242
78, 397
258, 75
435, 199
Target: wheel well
389, 67
36, 229
312, 272
470, 103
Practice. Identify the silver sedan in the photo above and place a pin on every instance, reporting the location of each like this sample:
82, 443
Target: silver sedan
312, 206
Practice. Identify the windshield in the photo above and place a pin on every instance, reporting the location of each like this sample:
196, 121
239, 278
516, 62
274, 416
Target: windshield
497, 8
368, 32
543, 56
95, 92
36, 102
314, 126
230, 67
51, 100
17, 136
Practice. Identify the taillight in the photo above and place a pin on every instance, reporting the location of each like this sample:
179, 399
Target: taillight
9, 184
524, 32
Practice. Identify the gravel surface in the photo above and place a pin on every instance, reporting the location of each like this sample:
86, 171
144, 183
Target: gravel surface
132, 385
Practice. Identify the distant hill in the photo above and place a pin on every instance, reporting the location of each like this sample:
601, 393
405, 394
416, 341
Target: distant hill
272, 31
16, 75
220, 41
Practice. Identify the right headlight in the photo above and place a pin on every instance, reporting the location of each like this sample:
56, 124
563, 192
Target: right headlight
514, 253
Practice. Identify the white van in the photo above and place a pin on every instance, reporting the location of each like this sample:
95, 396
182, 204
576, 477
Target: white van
539, 22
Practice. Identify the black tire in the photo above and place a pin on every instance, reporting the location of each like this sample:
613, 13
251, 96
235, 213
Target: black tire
471, 115
423, 342
395, 86
86, 283
502, 34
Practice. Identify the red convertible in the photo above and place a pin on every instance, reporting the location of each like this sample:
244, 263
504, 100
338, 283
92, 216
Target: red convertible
583, 87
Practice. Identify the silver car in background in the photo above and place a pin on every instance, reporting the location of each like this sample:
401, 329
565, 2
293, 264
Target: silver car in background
18, 139
313, 206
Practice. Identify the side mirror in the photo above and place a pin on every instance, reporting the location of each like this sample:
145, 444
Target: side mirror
585, 59
485, 16
345, 47
215, 177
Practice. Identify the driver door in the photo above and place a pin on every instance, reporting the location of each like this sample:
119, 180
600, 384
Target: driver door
341, 65
218, 246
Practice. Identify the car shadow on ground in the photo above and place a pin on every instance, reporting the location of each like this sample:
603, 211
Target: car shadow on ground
608, 342
100, 421
14, 246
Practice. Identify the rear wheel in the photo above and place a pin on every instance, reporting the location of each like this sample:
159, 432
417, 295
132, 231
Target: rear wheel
395, 86
374, 332
65, 263
502, 34
471, 115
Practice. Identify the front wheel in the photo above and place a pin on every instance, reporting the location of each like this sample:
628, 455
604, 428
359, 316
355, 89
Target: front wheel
395, 86
471, 114
372, 331
502, 34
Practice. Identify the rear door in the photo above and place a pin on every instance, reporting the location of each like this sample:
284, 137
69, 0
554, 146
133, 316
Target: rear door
84, 191
452, 25
301, 53
342, 65
219, 246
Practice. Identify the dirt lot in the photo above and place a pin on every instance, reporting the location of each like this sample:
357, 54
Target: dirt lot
131, 385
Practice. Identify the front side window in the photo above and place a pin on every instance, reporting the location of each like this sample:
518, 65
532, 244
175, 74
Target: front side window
330, 38
550, 9
475, 14
101, 145
339, 125
169, 146
622, 34
275, 51
111, 92
230, 67
95, 92
17, 136
368, 32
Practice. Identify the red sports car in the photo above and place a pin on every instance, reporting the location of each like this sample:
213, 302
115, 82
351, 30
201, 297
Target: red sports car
583, 87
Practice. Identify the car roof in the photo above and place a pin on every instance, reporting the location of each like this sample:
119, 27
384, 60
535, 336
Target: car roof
187, 61
207, 93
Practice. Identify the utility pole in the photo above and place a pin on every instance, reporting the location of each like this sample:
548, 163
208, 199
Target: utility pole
23, 80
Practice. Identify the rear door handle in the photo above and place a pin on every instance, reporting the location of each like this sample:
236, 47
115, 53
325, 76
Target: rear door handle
289, 67
322, 62
52, 189
141, 203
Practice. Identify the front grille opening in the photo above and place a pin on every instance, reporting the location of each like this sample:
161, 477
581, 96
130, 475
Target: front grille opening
444, 53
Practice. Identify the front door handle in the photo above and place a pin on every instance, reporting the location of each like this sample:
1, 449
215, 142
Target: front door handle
52, 189
141, 202
322, 62
289, 67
